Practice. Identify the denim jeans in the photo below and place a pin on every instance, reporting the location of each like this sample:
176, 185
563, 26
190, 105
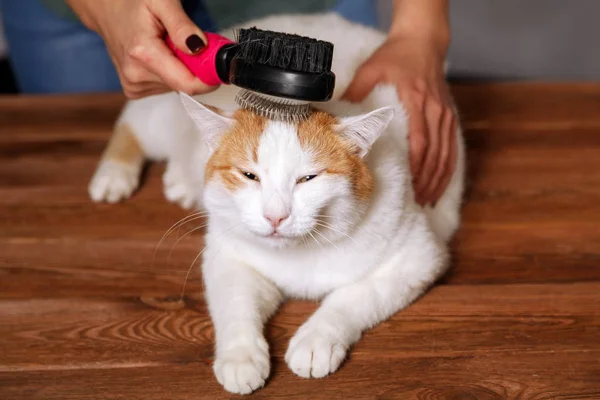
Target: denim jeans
50, 54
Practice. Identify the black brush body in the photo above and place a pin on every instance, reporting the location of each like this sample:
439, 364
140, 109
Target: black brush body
278, 64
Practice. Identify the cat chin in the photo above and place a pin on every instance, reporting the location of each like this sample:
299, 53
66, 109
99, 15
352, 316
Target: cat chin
278, 241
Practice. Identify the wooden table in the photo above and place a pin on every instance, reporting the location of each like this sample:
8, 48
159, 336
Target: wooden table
85, 313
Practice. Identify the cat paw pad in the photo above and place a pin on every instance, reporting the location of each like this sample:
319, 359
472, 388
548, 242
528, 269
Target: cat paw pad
113, 182
313, 353
242, 370
177, 190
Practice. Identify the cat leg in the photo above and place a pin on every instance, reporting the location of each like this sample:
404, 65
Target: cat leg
177, 188
118, 172
240, 301
321, 343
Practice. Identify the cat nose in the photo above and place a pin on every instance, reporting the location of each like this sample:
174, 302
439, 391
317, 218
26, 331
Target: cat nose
276, 220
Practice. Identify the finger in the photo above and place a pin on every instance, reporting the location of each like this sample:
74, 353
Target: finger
186, 36
150, 92
442, 160
417, 140
151, 79
136, 73
159, 59
135, 79
145, 90
451, 165
363, 82
433, 118
417, 134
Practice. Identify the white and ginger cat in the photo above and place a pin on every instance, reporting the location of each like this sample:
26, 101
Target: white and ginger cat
322, 209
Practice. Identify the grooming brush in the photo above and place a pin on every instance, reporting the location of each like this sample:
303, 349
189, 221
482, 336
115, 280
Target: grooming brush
280, 73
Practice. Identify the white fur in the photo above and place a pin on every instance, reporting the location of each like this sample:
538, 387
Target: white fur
370, 262
114, 181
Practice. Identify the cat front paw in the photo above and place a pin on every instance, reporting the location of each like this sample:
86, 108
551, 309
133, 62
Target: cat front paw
177, 189
113, 181
242, 370
315, 351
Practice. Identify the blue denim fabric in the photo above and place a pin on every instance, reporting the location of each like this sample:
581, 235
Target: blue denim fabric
360, 11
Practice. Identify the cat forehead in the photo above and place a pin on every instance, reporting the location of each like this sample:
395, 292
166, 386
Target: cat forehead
287, 148
279, 148
262, 141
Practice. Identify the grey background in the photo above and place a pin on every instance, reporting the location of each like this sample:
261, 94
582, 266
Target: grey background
552, 40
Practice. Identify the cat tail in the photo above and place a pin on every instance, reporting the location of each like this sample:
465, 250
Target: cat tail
118, 173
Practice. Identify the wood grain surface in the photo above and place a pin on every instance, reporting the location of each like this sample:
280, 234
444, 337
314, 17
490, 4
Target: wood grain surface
88, 310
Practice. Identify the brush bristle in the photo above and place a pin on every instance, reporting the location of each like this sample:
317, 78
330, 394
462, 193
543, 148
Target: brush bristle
285, 51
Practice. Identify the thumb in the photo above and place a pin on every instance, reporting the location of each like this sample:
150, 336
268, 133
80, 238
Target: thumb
186, 36
363, 82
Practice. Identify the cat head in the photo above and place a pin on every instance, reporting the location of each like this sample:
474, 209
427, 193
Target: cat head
282, 183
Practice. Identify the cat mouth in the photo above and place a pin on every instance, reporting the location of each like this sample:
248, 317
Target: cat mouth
273, 235
277, 236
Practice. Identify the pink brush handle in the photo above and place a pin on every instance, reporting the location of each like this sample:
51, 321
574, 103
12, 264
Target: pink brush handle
203, 64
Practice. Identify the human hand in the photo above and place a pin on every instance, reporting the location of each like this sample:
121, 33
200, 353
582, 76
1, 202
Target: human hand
134, 32
415, 65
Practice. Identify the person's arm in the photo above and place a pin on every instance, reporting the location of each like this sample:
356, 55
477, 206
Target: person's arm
425, 18
134, 31
413, 58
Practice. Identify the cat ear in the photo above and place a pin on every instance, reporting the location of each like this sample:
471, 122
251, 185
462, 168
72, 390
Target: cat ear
211, 122
363, 130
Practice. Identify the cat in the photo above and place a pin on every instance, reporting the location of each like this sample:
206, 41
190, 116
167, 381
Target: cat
322, 209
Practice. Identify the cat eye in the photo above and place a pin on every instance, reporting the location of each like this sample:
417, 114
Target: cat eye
306, 178
251, 176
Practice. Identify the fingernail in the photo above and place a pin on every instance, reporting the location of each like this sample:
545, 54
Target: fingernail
195, 43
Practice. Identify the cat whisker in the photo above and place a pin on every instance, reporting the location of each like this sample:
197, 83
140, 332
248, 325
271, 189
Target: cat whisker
196, 259
187, 275
333, 218
305, 240
315, 239
324, 237
188, 218
328, 226
341, 218
183, 236
325, 225
182, 221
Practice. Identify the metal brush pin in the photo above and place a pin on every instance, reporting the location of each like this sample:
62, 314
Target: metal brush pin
274, 108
